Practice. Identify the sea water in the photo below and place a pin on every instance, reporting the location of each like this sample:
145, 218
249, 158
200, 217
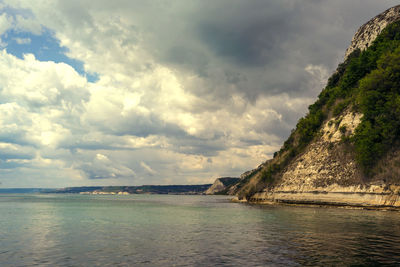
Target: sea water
170, 230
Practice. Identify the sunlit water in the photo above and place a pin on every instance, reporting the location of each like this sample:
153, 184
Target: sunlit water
165, 230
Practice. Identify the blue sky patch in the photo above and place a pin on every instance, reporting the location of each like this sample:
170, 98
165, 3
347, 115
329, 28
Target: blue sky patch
45, 48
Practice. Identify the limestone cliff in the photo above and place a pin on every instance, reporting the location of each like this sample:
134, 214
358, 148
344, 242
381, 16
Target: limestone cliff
325, 173
324, 160
370, 30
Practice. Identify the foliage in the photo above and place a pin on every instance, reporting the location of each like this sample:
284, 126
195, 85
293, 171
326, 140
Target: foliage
340, 107
379, 101
267, 175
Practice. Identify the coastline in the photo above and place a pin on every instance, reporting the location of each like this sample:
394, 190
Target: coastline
366, 201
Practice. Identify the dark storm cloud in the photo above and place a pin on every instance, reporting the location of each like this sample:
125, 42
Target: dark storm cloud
261, 32
267, 42
249, 33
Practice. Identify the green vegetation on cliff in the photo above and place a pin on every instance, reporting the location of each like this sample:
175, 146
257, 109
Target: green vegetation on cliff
379, 100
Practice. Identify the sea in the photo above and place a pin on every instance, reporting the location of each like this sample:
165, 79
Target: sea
182, 230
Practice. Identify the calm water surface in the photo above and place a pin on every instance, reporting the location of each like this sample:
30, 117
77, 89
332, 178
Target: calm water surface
164, 230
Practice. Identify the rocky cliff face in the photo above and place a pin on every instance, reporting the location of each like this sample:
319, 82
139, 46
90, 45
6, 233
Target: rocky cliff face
326, 171
370, 30
328, 174
324, 163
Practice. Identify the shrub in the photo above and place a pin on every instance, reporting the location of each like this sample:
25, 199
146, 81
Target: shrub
340, 107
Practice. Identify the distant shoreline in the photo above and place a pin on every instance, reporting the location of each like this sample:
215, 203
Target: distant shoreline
116, 190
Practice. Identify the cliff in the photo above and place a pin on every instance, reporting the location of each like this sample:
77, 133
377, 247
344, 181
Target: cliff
346, 150
370, 30
221, 185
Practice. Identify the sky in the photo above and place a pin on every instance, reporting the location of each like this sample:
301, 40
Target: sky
132, 92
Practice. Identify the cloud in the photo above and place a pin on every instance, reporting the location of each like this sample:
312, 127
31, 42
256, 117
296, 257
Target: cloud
101, 167
26, 23
148, 168
18, 20
5, 23
185, 90
11, 152
23, 41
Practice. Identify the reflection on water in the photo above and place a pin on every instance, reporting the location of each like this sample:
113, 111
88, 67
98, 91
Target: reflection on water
142, 230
